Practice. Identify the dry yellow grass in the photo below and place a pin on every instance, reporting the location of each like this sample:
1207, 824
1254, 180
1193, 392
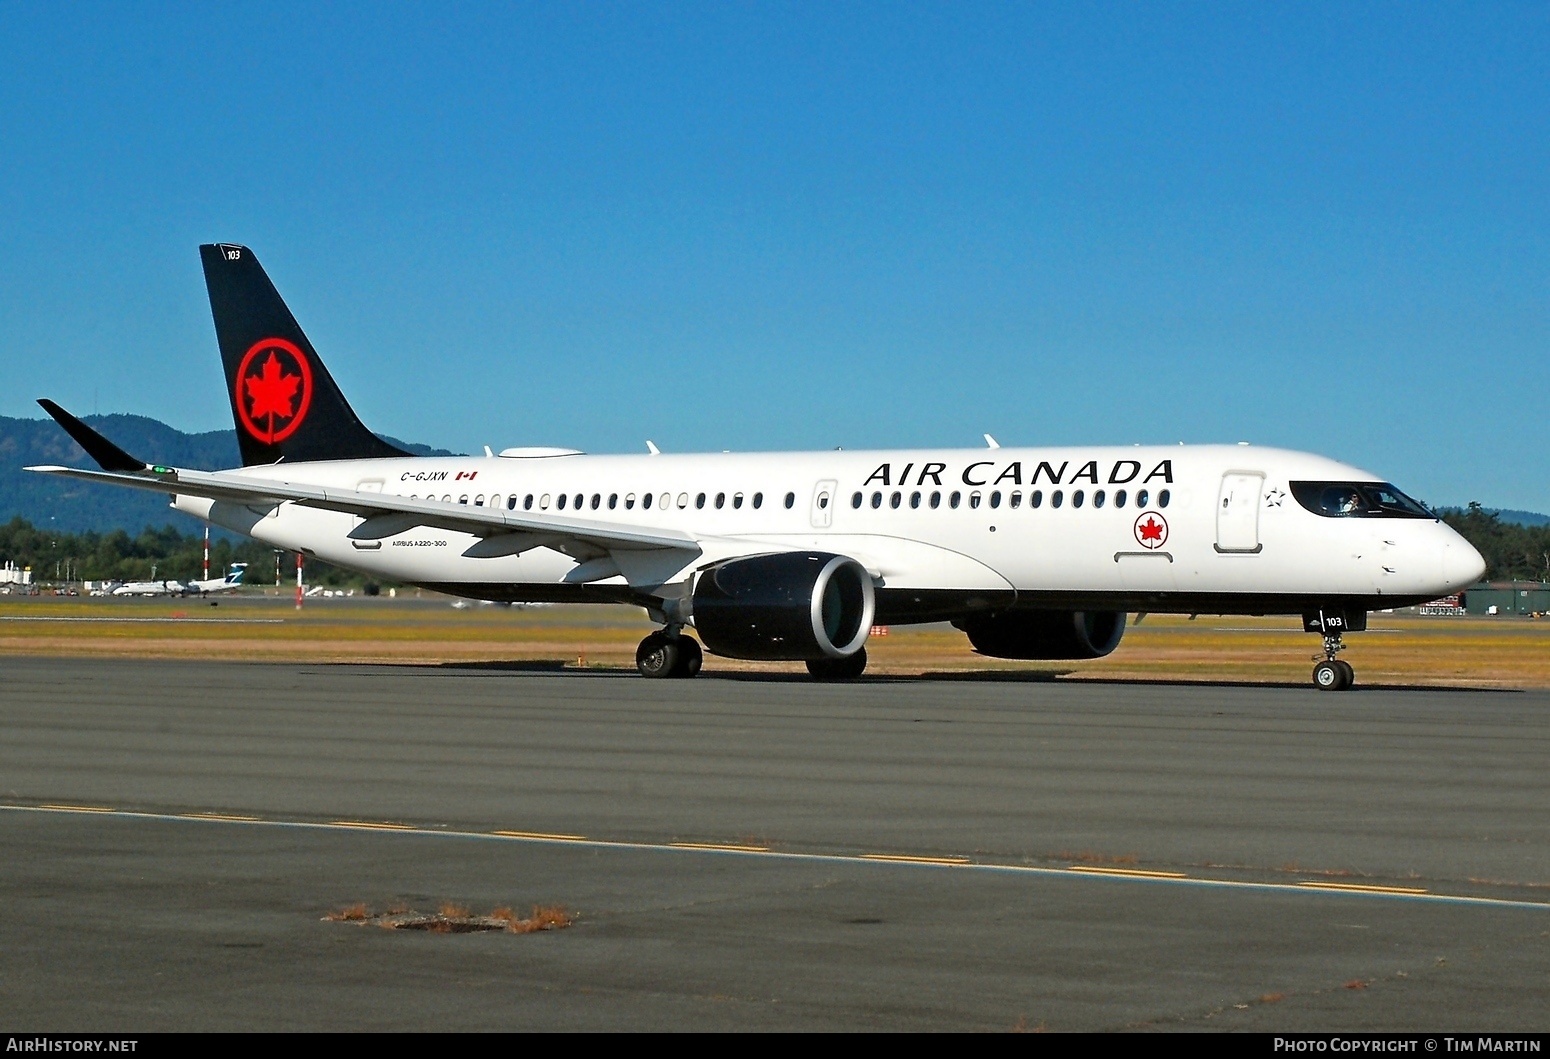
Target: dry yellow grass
1398, 649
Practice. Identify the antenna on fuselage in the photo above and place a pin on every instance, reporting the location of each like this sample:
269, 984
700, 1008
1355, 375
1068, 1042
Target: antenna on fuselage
651, 447
991, 442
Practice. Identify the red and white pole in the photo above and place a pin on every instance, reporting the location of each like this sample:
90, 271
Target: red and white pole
298, 580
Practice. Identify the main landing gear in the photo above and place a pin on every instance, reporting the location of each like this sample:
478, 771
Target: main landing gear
669, 653
1333, 674
847, 668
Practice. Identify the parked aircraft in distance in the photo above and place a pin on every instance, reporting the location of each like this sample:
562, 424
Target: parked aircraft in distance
1035, 553
149, 588
215, 585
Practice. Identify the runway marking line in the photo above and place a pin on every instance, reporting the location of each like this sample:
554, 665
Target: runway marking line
544, 835
1139, 873
1118, 875
1361, 888
905, 858
727, 847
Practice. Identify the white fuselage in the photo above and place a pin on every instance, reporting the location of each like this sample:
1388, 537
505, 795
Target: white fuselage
1056, 527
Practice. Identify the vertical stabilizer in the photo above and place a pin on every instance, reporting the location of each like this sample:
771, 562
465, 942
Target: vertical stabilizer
283, 400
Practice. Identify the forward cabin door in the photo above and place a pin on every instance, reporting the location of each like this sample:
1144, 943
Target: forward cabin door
823, 503
1237, 512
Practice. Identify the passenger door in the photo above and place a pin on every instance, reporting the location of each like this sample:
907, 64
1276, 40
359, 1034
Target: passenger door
1237, 512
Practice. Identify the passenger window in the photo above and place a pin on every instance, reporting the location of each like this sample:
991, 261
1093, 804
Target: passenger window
1077, 498
1015, 500
511, 502
995, 498
559, 501
974, 499
543, 502
895, 500
877, 499
1162, 498
915, 499
479, 500
1055, 498
856, 499
1098, 498
613, 501
1141, 497
737, 501
579, 499
936, 499
699, 501
791, 499
645, 502
446, 500
1036, 499
629, 501
758, 500
527, 502
721, 501
664, 501
1119, 498
955, 499
683, 501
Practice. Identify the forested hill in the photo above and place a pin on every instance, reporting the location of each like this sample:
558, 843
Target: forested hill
74, 507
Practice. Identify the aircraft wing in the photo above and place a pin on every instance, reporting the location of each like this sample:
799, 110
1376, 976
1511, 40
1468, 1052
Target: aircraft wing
385, 515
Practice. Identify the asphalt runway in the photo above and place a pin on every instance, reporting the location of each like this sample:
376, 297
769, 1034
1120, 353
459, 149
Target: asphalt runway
910, 854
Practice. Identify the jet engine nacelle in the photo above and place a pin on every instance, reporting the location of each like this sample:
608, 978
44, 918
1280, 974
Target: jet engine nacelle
789, 606
1045, 634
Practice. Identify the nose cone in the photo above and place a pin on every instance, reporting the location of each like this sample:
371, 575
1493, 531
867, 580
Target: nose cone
1462, 565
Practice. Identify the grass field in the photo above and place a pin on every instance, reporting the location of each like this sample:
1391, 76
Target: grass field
1397, 649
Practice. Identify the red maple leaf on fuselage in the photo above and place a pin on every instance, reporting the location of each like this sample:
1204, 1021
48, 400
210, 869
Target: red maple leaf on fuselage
1151, 531
272, 392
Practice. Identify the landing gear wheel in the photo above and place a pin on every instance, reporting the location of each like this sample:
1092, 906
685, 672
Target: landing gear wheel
690, 658
657, 656
1350, 674
848, 668
1330, 676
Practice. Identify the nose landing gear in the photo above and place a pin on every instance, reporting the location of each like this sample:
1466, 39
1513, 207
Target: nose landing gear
668, 653
1333, 674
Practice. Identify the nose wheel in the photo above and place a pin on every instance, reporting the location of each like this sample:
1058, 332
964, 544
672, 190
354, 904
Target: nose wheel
1333, 674
668, 653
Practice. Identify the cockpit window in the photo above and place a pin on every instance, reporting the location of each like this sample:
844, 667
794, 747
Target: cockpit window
1357, 500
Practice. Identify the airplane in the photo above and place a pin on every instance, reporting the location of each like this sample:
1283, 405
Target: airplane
1034, 553
149, 588
214, 585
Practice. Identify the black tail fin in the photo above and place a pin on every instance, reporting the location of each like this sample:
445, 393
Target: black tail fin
285, 404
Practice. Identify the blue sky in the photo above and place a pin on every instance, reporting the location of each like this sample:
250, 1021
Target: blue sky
746, 226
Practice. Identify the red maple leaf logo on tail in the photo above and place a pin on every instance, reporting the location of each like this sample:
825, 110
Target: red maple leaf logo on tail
274, 390
271, 392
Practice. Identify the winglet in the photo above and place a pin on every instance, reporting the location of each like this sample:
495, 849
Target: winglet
108, 455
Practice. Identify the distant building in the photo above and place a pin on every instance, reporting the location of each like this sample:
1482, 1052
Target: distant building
10, 575
1508, 597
